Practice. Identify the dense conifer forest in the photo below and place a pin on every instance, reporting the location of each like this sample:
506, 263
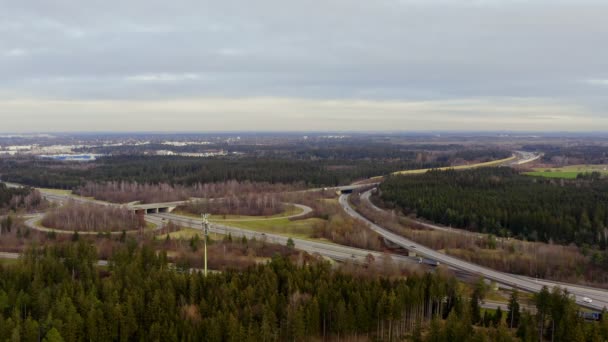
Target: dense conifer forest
311, 167
58, 293
503, 202
188, 171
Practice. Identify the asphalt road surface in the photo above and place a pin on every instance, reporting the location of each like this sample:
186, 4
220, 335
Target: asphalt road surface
338, 252
598, 296
333, 251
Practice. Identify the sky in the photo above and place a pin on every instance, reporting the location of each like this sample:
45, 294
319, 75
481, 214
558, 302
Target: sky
314, 65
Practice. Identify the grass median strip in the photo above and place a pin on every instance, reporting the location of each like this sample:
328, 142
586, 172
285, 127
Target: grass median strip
290, 210
553, 174
283, 226
567, 172
188, 233
458, 167
7, 262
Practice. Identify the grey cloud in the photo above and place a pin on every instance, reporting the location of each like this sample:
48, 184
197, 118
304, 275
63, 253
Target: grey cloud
338, 49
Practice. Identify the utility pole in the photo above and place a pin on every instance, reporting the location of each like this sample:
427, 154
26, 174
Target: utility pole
206, 230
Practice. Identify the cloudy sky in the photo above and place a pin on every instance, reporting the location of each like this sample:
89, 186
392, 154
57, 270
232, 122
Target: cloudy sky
147, 65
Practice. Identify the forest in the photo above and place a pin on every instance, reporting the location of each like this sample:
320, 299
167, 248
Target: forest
91, 218
314, 148
564, 263
560, 155
309, 167
57, 293
505, 203
251, 205
14, 199
126, 192
188, 171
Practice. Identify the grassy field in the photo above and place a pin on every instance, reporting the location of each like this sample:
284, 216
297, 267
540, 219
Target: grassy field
149, 226
567, 172
188, 233
275, 224
459, 167
7, 262
554, 174
55, 191
290, 210
297, 228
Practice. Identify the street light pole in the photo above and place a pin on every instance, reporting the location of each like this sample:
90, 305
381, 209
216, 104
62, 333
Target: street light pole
206, 230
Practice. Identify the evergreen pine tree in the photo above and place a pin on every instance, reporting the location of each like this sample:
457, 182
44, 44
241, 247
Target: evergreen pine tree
513, 313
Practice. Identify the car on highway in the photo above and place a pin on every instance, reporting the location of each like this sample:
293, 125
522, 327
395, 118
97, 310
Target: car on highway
587, 300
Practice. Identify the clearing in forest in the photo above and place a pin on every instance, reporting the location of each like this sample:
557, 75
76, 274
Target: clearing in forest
458, 167
568, 172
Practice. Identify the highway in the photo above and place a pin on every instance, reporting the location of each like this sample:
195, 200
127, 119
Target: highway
599, 293
599, 296
62, 198
524, 157
329, 250
33, 222
343, 253
366, 197
333, 251
305, 210
10, 256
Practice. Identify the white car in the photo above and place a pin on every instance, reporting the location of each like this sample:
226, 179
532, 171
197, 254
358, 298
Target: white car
587, 300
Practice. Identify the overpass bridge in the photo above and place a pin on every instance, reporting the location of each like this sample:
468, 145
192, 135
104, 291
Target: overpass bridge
148, 208
154, 208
